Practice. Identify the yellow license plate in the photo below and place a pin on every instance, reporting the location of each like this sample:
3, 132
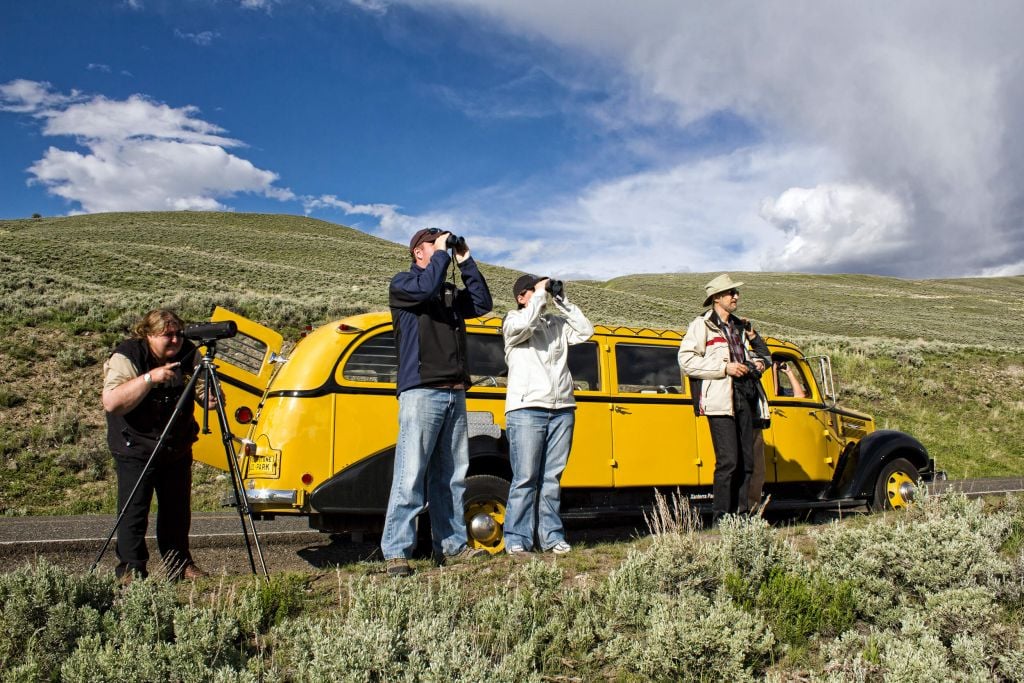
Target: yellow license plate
263, 466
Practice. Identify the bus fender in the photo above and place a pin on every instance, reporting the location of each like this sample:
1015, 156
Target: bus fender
488, 455
364, 487
860, 464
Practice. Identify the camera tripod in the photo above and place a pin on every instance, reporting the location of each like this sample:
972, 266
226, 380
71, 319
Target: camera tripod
207, 371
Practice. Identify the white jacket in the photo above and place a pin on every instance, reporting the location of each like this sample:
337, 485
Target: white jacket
537, 353
703, 355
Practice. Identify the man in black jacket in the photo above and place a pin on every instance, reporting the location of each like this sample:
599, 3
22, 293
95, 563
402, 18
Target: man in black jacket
142, 382
433, 446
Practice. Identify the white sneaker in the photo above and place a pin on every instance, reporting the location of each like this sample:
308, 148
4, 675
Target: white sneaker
560, 548
517, 550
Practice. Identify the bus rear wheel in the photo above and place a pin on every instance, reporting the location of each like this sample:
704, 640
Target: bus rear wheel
484, 503
894, 488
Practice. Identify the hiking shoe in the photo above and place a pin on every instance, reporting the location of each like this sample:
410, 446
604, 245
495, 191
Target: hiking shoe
560, 548
467, 554
398, 566
192, 572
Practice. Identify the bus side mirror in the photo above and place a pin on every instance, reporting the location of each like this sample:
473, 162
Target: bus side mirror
828, 387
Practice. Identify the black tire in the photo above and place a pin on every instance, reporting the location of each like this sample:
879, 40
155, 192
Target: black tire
486, 495
424, 548
893, 487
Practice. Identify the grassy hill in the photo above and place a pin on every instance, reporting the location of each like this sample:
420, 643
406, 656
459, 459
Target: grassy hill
941, 359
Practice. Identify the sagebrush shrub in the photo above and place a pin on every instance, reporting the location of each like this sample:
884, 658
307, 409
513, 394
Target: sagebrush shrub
750, 548
961, 611
943, 543
690, 637
332, 649
145, 612
44, 611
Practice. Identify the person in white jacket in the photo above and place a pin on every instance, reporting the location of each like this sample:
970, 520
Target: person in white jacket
540, 410
715, 350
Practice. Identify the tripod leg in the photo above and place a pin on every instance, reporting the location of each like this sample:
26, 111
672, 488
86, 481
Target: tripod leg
244, 511
159, 444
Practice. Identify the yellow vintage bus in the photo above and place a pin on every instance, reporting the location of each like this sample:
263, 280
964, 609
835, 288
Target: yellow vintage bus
314, 433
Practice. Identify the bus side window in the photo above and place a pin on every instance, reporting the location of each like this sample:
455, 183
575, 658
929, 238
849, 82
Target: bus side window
788, 378
373, 361
647, 369
487, 360
583, 366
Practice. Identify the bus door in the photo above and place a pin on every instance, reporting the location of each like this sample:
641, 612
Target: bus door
800, 445
245, 366
654, 430
590, 461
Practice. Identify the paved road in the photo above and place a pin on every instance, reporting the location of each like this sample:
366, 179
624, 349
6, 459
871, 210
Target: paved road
980, 487
216, 540
288, 543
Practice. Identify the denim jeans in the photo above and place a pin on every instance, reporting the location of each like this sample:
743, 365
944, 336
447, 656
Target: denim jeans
539, 443
432, 456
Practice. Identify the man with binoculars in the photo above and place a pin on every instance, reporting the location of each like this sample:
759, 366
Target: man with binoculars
540, 410
432, 452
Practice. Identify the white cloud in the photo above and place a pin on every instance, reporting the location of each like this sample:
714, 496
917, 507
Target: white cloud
830, 227
105, 68
203, 38
693, 217
917, 102
136, 117
265, 5
392, 224
378, 7
139, 154
29, 97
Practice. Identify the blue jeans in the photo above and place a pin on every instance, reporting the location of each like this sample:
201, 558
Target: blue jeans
539, 442
432, 456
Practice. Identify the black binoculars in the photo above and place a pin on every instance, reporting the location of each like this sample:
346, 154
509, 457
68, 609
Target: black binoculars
456, 242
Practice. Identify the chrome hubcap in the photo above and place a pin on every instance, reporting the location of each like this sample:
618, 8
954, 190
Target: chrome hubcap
483, 528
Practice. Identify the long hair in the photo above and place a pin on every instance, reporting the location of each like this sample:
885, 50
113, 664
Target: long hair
156, 322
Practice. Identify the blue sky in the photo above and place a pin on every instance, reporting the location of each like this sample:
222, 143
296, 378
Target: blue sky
586, 138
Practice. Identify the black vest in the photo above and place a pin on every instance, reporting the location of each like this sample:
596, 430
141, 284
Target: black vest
136, 432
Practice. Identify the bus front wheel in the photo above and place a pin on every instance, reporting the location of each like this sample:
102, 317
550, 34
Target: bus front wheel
894, 488
485, 500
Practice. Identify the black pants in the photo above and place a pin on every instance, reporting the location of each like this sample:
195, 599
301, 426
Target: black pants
170, 478
733, 438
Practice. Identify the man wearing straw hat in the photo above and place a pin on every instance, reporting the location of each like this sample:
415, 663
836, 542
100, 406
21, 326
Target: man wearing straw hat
725, 376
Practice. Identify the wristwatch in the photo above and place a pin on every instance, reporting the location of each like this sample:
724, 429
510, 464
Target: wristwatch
148, 379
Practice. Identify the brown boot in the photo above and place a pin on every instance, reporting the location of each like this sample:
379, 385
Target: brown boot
192, 572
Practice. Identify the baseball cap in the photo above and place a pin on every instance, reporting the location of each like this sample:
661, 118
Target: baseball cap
424, 235
524, 283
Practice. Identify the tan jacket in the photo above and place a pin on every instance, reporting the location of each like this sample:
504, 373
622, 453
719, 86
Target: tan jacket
703, 355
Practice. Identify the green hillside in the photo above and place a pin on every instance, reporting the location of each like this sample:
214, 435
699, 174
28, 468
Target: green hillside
942, 359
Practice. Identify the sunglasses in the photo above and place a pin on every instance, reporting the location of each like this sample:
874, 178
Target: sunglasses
172, 335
